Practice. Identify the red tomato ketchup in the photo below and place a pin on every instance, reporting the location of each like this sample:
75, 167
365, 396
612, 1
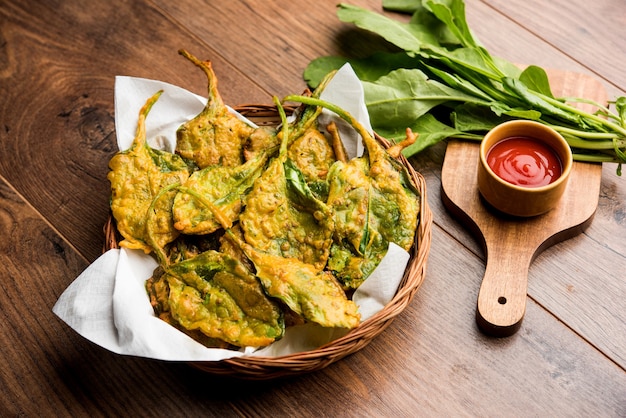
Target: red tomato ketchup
524, 161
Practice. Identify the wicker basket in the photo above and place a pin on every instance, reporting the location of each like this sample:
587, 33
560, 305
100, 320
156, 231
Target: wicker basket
262, 368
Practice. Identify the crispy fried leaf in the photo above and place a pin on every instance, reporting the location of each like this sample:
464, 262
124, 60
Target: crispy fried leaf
137, 177
374, 202
283, 217
374, 205
217, 295
315, 295
215, 136
225, 187
313, 155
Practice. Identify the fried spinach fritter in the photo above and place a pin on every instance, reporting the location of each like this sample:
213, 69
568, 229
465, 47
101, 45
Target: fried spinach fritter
282, 215
375, 203
224, 187
217, 295
314, 294
215, 136
139, 203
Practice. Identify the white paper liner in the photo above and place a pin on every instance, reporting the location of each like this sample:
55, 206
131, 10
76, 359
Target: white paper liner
108, 304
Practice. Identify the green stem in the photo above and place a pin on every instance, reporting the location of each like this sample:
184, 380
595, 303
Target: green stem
284, 127
594, 158
334, 108
589, 145
591, 136
602, 121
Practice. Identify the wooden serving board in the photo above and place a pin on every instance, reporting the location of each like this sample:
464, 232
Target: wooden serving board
511, 244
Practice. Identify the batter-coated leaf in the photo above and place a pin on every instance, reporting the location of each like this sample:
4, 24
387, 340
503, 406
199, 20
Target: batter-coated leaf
225, 187
217, 295
138, 176
374, 202
315, 295
215, 136
308, 148
313, 154
282, 215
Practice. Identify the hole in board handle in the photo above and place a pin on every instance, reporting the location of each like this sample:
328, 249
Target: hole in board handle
502, 300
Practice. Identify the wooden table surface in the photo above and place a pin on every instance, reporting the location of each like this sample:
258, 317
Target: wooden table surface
58, 60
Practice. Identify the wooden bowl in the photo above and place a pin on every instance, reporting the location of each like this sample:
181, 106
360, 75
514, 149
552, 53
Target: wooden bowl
524, 200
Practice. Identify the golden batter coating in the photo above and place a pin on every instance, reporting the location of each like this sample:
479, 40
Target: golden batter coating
375, 203
220, 297
283, 217
140, 204
225, 189
215, 136
253, 228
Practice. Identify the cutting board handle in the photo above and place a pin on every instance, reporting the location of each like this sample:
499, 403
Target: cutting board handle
502, 295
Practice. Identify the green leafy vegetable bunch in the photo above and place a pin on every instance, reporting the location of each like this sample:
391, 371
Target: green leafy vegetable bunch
443, 83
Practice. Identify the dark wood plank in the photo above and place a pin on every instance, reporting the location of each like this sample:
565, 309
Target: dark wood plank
274, 43
59, 63
576, 29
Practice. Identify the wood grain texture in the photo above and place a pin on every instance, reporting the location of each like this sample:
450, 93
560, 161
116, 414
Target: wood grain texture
274, 43
528, 33
511, 244
577, 31
60, 62
57, 63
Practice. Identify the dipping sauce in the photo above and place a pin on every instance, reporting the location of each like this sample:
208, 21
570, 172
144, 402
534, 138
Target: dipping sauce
524, 161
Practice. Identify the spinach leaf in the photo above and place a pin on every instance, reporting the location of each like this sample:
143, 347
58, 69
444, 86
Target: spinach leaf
400, 34
452, 14
536, 79
366, 69
405, 95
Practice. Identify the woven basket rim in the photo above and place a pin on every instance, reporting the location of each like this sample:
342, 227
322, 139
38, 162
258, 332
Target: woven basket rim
266, 367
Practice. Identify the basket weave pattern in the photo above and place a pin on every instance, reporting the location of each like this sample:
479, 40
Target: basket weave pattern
261, 368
